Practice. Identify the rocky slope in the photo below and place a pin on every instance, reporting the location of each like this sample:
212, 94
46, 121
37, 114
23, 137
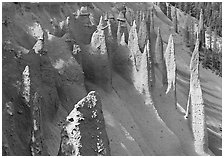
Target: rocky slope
85, 79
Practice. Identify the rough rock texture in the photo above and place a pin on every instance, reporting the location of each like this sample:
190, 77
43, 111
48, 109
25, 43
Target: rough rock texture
27, 73
37, 144
84, 131
145, 74
26, 85
169, 56
197, 109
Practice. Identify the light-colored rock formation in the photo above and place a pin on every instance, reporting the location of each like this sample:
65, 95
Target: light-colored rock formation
26, 85
169, 56
84, 132
96, 62
133, 46
145, 74
123, 43
195, 107
36, 145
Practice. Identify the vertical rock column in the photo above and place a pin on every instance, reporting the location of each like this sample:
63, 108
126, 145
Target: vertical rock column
84, 131
26, 85
135, 53
171, 67
196, 105
36, 135
146, 73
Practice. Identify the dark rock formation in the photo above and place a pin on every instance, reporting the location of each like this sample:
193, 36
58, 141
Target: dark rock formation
159, 57
84, 131
142, 34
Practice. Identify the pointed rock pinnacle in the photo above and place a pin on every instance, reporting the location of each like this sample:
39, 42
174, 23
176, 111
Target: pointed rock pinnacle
84, 131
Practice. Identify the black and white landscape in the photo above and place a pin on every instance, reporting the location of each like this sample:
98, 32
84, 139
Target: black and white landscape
111, 78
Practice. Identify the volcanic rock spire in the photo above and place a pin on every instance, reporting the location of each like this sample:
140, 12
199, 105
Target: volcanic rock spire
84, 132
171, 67
26, 85
99, 57
109, 34
134, 47
159, 57
145, 74
36, 138
196, 105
